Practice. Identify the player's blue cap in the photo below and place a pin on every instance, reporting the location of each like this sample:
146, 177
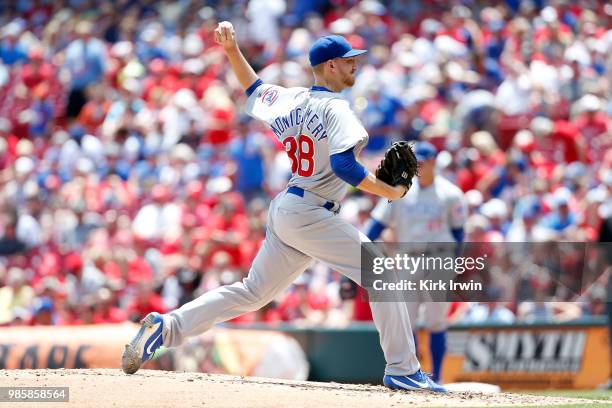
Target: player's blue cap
330, 47
425, 151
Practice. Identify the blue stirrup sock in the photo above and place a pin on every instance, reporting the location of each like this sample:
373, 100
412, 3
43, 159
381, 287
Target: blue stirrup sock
437, 345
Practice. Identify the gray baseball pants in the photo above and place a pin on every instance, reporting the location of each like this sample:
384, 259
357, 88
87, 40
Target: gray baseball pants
299, 231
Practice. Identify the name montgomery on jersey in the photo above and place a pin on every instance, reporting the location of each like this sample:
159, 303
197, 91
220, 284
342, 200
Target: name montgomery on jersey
311, 121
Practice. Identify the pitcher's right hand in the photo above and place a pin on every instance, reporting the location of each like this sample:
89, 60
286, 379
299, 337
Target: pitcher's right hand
225, 35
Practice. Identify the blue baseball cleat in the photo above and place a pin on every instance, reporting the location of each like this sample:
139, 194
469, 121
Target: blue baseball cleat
417, 381
142, 347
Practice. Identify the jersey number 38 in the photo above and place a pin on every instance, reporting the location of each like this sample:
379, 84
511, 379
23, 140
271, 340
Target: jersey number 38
302, 159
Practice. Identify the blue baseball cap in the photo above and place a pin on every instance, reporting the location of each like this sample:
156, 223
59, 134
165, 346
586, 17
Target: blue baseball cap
44, 304
425, 151
330, 47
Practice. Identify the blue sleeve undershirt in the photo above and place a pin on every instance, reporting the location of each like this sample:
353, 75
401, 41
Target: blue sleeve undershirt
253, 87
374, 228
347, 167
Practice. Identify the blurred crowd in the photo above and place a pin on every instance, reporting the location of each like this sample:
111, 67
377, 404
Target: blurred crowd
131, 180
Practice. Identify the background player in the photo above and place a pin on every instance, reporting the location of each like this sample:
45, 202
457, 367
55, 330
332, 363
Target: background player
322, 137
434, 210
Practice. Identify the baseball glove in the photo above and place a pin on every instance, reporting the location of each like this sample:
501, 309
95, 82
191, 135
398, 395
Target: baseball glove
399, 165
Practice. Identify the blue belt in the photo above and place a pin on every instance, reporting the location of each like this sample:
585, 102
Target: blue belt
300, 192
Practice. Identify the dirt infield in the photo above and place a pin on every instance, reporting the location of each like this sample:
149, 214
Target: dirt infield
148, 388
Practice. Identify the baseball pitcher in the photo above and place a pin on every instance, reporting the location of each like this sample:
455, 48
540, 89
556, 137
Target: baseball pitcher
322, 137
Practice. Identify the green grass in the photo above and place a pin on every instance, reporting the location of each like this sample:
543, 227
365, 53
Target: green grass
604, 395
600, 395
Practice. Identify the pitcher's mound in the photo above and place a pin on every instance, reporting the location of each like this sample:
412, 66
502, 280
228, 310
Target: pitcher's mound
149, 388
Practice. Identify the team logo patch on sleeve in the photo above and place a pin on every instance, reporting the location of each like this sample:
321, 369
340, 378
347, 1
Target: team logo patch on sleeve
269, 96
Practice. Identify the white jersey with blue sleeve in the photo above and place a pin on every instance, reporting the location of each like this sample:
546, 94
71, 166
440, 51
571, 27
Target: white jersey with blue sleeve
312, 124
425, 214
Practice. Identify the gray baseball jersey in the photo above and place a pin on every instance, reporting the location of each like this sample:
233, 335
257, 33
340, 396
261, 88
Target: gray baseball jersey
425, 214
311, 124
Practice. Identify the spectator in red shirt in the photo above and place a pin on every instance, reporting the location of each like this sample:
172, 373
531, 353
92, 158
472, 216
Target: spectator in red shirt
193, 205
156, 78
37, 70
106, 308
479, 161
594, 125
194, 77
144, 302
300, 304
139, 269
227, 229
361, 306
222, 111
556, 142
